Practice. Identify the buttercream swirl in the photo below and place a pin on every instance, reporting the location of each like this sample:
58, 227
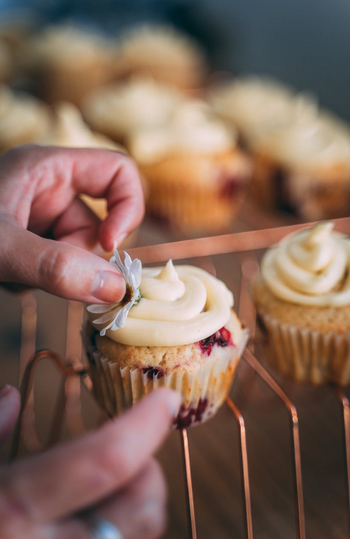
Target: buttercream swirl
22, 118
310, 268
307, 142
122, 108
193, 127
178, 306
70, 130
255, 104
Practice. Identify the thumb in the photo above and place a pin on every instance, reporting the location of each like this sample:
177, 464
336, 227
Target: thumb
9, 409
58, 268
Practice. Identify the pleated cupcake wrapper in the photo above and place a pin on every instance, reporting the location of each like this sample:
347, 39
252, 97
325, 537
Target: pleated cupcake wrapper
192, 206
308, 355
203, 391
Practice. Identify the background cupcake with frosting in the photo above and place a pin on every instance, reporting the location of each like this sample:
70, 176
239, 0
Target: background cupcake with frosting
303, 303
196, 174
174, 328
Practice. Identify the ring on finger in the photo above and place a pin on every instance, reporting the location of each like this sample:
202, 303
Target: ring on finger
100, 528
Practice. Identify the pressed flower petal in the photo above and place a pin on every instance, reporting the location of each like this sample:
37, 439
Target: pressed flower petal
108, 316
115, 315
136, 271
116, 261
98, 308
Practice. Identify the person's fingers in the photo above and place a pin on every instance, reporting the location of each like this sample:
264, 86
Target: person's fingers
137, 511
57, 267
39, 184
125, 206
78, 225
84, 472
9, 409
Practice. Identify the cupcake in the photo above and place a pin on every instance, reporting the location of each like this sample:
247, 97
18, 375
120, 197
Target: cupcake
195, 173
67, 62
23, 119
252, 103
301, 154
119, 109
165, 54
303, 303
69, 130
175, 327
303, 166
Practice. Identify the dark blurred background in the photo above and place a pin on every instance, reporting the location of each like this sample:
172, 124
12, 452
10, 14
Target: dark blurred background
305, 43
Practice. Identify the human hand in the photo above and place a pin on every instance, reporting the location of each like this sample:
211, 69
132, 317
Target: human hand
39, 190
108, 474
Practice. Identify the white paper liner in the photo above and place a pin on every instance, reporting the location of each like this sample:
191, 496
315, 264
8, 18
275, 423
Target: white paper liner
203, 391
307, 355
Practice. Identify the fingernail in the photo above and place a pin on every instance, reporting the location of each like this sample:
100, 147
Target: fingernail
119, 240
108, 286
5, 390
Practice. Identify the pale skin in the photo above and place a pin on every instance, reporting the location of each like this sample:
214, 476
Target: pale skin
109, 472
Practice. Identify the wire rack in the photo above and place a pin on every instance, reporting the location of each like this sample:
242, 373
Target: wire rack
75, 377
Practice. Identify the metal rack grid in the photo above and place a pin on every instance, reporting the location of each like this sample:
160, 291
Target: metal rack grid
75, 377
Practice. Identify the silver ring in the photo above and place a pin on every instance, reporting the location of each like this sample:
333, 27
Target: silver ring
101, 528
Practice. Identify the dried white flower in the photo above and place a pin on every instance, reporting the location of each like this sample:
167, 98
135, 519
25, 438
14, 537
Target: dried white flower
115, 315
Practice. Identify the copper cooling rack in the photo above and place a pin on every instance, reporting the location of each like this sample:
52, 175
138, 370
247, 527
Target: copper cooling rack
75, 377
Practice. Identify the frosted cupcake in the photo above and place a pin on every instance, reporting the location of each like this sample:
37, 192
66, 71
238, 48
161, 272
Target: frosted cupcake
195, 173
304, 166
303, 303
120, 109
22, 118
253, 103
165, 54
175, 327
67, 62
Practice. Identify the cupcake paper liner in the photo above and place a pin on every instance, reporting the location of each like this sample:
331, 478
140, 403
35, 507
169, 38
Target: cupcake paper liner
203, 391
308, 355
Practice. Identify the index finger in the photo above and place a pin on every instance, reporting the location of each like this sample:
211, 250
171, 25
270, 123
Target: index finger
118, 181
81, 473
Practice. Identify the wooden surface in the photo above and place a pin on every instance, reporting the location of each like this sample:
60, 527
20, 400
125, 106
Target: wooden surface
214, 446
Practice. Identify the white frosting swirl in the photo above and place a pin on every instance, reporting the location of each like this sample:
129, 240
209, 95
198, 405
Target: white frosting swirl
310, 268
22, 118
157, 44
67, 45
70, 130
307, 142
254, 104
193, 127
178, 306
121, 108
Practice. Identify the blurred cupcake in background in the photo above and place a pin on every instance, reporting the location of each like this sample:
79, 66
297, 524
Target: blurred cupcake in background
15, 30
251, 103
164, 53
23, 119
301, 154
303, 166
66, 62
119, 109
195, 172
69, 130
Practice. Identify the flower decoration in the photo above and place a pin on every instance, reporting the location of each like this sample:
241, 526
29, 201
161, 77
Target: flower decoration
116, 314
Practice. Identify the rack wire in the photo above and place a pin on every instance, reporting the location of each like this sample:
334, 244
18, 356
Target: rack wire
75, 377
